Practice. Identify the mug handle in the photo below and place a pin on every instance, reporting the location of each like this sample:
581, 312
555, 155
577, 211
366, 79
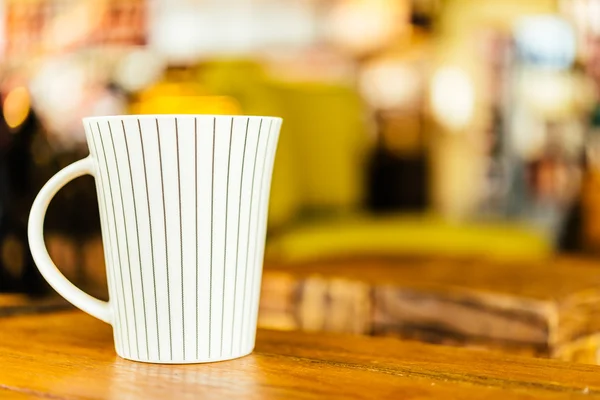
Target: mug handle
35, 231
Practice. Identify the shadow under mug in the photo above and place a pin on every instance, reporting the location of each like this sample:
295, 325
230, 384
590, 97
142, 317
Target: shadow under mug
183, 205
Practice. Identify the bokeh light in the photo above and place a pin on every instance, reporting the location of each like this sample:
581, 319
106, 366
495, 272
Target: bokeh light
361, 26
452, 97
16, 106
388, 84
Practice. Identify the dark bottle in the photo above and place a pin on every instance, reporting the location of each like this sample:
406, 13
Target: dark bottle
589, 199
398, 171
17, 186
27, 162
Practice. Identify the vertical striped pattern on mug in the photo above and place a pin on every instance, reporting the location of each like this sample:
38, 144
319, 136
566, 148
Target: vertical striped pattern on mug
183, 205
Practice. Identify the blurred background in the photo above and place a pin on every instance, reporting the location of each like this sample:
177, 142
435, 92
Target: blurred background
429, 128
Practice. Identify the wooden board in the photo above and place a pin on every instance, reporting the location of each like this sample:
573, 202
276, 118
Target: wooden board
12, 300
6, 394
549, 309
15, 304
70, 355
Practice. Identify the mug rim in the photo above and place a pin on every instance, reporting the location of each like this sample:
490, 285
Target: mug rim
156, 116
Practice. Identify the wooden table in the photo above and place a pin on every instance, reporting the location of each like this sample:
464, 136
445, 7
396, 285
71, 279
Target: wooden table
546, 309
69, 355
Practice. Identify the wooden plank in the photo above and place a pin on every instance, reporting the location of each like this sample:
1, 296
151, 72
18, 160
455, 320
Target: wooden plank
584, 350
70, 355
14, 304
315, 304
549, 309
7, 394
13, 300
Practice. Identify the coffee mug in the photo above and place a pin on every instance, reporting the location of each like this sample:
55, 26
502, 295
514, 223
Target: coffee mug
183, 206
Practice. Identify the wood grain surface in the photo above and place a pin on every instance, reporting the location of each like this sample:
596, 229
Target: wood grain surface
548, 309
70, 355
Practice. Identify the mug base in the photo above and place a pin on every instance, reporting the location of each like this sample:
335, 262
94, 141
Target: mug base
194, 361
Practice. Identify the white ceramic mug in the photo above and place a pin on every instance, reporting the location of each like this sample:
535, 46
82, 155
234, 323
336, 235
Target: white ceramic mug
183, 205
